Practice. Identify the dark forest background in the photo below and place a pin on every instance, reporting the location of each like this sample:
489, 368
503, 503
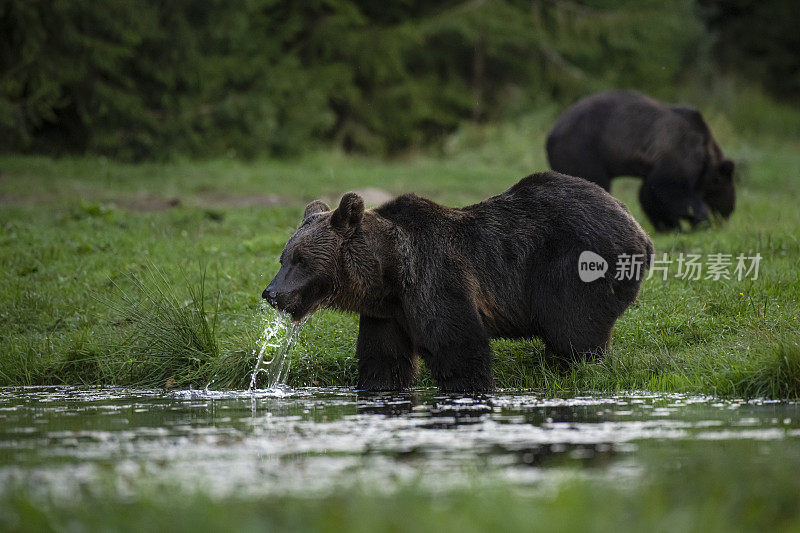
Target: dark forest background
141, 79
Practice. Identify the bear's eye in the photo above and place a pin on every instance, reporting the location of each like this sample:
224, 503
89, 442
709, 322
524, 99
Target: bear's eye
299, 260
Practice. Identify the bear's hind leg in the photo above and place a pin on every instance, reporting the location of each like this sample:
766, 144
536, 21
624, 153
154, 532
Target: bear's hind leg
461, 362
386, 358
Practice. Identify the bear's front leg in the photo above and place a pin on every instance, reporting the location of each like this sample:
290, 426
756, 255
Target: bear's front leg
386, 358
668, 195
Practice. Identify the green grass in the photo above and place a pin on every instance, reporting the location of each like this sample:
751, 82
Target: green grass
687, 486
100, 281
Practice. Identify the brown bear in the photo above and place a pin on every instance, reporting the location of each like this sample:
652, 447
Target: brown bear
436, 282
624, 133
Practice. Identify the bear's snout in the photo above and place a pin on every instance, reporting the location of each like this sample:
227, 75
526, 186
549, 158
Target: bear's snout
270, 296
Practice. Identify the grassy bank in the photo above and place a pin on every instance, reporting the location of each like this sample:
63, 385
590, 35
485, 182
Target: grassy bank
102, 264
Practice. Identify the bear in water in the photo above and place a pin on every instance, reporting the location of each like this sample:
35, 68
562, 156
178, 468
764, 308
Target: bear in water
436, 282
624, 133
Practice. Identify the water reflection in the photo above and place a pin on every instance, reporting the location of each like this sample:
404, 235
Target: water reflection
441, 412
387, 404
60, 438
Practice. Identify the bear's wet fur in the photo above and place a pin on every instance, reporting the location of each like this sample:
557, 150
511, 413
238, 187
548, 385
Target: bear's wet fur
624, 133
437, 283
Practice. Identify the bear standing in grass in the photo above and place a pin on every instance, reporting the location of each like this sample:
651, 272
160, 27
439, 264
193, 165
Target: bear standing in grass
624, 133
436, 282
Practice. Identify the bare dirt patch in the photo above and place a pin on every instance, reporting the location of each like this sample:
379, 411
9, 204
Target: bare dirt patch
17, 200
147, 202
372, 196
255, 200
144, 202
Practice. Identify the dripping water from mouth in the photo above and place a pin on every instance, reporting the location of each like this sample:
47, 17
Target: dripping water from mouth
279, 337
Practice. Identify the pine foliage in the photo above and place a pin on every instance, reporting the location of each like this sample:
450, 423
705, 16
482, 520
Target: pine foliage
140, 79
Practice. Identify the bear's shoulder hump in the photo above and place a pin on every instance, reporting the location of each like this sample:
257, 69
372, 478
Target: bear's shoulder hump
691, 116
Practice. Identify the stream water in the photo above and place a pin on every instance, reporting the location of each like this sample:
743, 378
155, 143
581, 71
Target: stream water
59, 440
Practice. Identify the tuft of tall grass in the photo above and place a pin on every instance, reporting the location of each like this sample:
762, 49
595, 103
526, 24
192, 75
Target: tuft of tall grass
168, 340
772, 371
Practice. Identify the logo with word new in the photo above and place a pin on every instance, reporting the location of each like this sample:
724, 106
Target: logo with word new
718, 266
591, 266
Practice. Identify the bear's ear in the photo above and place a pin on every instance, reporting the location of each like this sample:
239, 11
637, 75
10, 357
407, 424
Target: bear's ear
317, 206
349, 212
726, 168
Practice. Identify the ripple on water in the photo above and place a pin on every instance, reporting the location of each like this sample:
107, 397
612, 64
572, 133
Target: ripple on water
281, 440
